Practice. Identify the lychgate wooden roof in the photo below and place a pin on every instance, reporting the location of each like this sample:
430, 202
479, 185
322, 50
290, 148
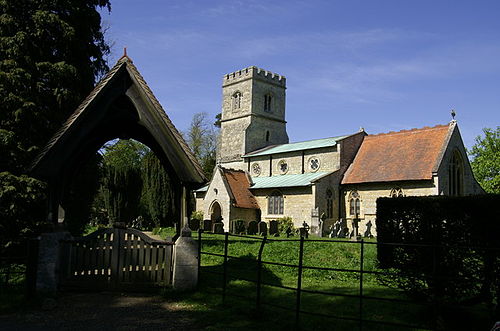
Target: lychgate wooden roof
121, 106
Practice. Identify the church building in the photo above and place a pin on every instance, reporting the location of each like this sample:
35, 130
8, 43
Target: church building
261, 176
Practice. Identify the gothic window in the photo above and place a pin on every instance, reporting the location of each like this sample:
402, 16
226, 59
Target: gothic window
314, 164
354, 204
456, 174
267, 136
282, 167
268, 102
397, 192
237, 100
329, 203
275, 203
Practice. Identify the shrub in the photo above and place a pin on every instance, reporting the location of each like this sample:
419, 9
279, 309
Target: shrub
284, 223
197, 215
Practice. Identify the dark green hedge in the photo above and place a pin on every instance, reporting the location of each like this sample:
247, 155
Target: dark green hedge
448, 247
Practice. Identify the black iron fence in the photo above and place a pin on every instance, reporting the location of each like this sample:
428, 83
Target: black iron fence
433, 307
18, 265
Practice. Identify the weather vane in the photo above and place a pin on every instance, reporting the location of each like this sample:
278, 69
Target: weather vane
453, 114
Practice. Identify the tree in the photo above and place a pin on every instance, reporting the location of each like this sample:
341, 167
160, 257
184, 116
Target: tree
202, 139
486, 160
51, 53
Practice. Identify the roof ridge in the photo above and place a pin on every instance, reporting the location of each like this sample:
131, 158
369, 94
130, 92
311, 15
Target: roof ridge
425, 128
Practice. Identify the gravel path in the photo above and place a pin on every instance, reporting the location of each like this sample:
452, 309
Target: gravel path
104, 311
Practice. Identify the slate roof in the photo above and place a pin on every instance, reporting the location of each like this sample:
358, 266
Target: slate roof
399, 156
298, 146
287, 180
125, 63
238, 183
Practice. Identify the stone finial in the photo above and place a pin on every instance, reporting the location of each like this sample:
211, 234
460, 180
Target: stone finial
186, 231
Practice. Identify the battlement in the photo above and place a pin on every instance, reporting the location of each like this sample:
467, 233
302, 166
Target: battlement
253, 72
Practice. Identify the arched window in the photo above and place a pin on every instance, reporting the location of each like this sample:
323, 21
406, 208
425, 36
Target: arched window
275, 203
267, 136
237, 96
456, 174
329, 203
268, 99
354, 204
397, 192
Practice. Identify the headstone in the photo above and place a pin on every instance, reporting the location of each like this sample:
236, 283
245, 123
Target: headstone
273, 227
263, 228
355, 229
321, 224
332, 233
252, 228
238, 226
218, 227
314, 227
185, 270
207, 225
368, 232
194, 224
288, 232
304, 230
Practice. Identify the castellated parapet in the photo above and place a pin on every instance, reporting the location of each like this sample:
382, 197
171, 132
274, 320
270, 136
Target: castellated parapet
253, 72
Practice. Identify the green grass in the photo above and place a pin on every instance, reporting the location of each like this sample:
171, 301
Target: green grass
165, 233
340, 255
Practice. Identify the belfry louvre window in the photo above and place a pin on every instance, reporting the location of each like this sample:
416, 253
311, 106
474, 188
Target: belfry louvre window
237, 100
275, 203
354, 203
268, 98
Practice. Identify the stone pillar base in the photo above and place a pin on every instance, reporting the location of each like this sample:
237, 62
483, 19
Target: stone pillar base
47, 279
185, 262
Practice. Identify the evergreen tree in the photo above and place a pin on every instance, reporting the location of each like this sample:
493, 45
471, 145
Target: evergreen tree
51, 52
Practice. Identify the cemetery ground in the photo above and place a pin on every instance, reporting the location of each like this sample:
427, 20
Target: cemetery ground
205, 309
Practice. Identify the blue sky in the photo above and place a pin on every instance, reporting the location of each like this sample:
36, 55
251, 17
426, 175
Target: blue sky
381, 65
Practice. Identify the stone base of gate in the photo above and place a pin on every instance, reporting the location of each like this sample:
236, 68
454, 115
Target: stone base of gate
185, 275
47, 278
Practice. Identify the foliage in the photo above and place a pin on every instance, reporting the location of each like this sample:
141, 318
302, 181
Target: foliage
157, 199
284, 223
22, 202
447, 238
197, 215
486, 160
51, 52
202, 139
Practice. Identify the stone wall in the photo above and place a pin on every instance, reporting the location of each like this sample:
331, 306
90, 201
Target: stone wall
298, 202
369, 193
470, 185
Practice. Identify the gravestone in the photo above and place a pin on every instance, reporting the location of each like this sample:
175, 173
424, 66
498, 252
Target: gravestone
273, 227
304, 230
218, 227
368, 232
263, 228
194, 224
332, 233
207, 225
238, 226
314, 227
252, 228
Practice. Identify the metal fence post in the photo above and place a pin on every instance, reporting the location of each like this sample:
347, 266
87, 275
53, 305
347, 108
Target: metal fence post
199, 255
299, 282
361, 259
226, 242
259, 271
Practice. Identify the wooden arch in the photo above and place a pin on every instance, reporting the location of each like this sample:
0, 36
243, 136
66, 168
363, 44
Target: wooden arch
120, 106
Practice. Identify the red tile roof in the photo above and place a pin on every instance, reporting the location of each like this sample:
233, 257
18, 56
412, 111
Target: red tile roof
238, 183
398, 156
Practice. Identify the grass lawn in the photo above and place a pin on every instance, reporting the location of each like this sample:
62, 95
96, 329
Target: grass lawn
241, 292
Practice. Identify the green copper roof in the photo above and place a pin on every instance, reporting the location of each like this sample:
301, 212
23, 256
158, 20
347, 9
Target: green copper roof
287, 180
203, 189
298, 146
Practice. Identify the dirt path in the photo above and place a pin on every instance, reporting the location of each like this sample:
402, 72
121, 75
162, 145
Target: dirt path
104, 311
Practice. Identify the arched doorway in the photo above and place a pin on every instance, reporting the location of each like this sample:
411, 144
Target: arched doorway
215, 212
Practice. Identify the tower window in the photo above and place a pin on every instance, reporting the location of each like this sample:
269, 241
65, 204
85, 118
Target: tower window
267, 136
268, 98
354, 204
456, 174
275, 203
236, 99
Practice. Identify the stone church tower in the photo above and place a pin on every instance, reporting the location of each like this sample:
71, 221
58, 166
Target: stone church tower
253, 114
